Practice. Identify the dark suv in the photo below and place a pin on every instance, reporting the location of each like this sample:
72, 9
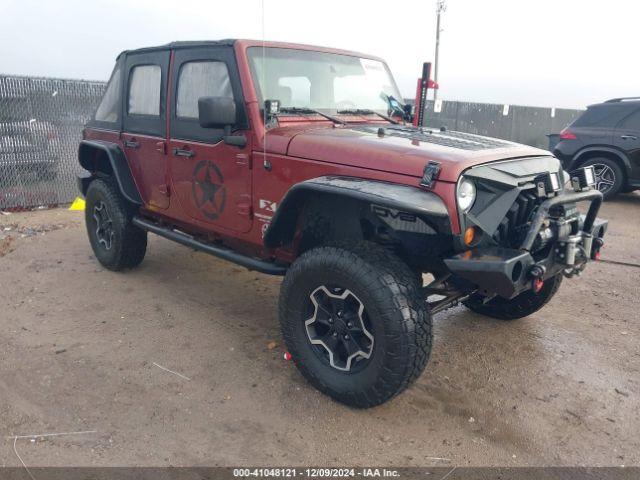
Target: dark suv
606, 136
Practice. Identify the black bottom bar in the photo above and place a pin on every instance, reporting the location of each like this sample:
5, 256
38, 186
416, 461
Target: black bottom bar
251, 263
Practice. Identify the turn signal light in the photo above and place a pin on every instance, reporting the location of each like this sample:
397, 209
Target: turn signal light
469, 236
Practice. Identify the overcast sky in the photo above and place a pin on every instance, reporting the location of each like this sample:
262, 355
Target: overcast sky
536, 52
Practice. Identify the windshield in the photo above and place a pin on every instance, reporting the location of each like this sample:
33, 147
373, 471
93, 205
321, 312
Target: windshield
321, 81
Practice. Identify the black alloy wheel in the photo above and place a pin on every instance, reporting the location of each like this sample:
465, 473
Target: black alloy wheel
104, 225
339, 328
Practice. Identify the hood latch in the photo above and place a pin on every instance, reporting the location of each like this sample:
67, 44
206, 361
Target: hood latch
431, 172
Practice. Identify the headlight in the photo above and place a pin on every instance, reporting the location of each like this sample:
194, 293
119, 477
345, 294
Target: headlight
466, 194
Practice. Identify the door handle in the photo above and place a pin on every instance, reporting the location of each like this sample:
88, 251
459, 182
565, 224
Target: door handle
131, 144
182, 152
628, 137
161, 147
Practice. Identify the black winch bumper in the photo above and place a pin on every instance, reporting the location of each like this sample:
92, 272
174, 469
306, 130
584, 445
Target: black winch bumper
507, 272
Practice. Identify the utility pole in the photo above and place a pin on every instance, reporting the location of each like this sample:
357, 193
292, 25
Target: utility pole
441, 6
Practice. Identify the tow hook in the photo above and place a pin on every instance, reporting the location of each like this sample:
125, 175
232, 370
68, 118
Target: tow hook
598, 243
537, 274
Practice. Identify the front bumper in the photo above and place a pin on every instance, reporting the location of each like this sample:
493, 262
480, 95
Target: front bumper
506, 272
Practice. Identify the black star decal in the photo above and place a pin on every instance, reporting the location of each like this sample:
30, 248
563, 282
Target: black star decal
209, 194
208, 190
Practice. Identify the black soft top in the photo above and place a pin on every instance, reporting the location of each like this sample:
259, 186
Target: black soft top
182, 44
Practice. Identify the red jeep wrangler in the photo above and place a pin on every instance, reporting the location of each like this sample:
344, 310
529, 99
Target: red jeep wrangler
300, 161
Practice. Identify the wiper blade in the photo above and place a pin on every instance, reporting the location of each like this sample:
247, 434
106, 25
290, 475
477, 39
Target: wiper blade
303, 110
365, 111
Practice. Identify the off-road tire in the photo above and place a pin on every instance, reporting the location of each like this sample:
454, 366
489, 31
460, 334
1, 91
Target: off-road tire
619, 179
518, 307
129, 243
397, 312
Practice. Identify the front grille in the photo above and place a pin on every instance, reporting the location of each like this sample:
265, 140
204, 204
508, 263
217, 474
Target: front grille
514, 226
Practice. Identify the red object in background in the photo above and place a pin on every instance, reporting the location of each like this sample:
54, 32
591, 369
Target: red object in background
424, 84
596, 255
567, 134
287, 356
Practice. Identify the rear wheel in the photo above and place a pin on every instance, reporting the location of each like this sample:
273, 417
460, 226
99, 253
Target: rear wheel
116, 242
520, 306
355, 322
609, 176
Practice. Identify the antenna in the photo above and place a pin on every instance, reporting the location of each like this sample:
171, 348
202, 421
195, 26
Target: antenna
264, 89
441, 6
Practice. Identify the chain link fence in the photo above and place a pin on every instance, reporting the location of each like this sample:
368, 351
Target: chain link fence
41, 121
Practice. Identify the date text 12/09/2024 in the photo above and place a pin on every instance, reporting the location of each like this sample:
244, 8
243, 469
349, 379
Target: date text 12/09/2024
315, 472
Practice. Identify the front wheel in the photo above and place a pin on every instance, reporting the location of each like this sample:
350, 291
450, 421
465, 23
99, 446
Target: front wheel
520, 306
355, 322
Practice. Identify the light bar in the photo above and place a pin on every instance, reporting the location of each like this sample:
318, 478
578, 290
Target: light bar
547, 184
583, 179
271, 106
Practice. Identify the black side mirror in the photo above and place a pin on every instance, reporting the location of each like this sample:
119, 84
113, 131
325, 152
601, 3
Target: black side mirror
216, 112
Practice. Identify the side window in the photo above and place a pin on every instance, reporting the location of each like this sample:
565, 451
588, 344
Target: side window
144, 90
108, 109
200, 79
202, 72
603, 116
632, 122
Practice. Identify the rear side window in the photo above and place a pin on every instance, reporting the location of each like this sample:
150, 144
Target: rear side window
108, 110
144, 90
201, 79
603, 116
632, 122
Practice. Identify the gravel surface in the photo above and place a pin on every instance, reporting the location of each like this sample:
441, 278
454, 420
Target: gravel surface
180, 362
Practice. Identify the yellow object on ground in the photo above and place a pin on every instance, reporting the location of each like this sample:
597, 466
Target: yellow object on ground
77, 205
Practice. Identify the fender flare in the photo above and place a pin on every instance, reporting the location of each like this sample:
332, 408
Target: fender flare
404, 198
117, 162
595, 149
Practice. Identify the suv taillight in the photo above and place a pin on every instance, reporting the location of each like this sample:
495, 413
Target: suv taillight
567, 134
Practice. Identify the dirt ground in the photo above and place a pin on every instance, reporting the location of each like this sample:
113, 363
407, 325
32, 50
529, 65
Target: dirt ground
79, 349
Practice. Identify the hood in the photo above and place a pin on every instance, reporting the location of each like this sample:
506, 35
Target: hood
398, 149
